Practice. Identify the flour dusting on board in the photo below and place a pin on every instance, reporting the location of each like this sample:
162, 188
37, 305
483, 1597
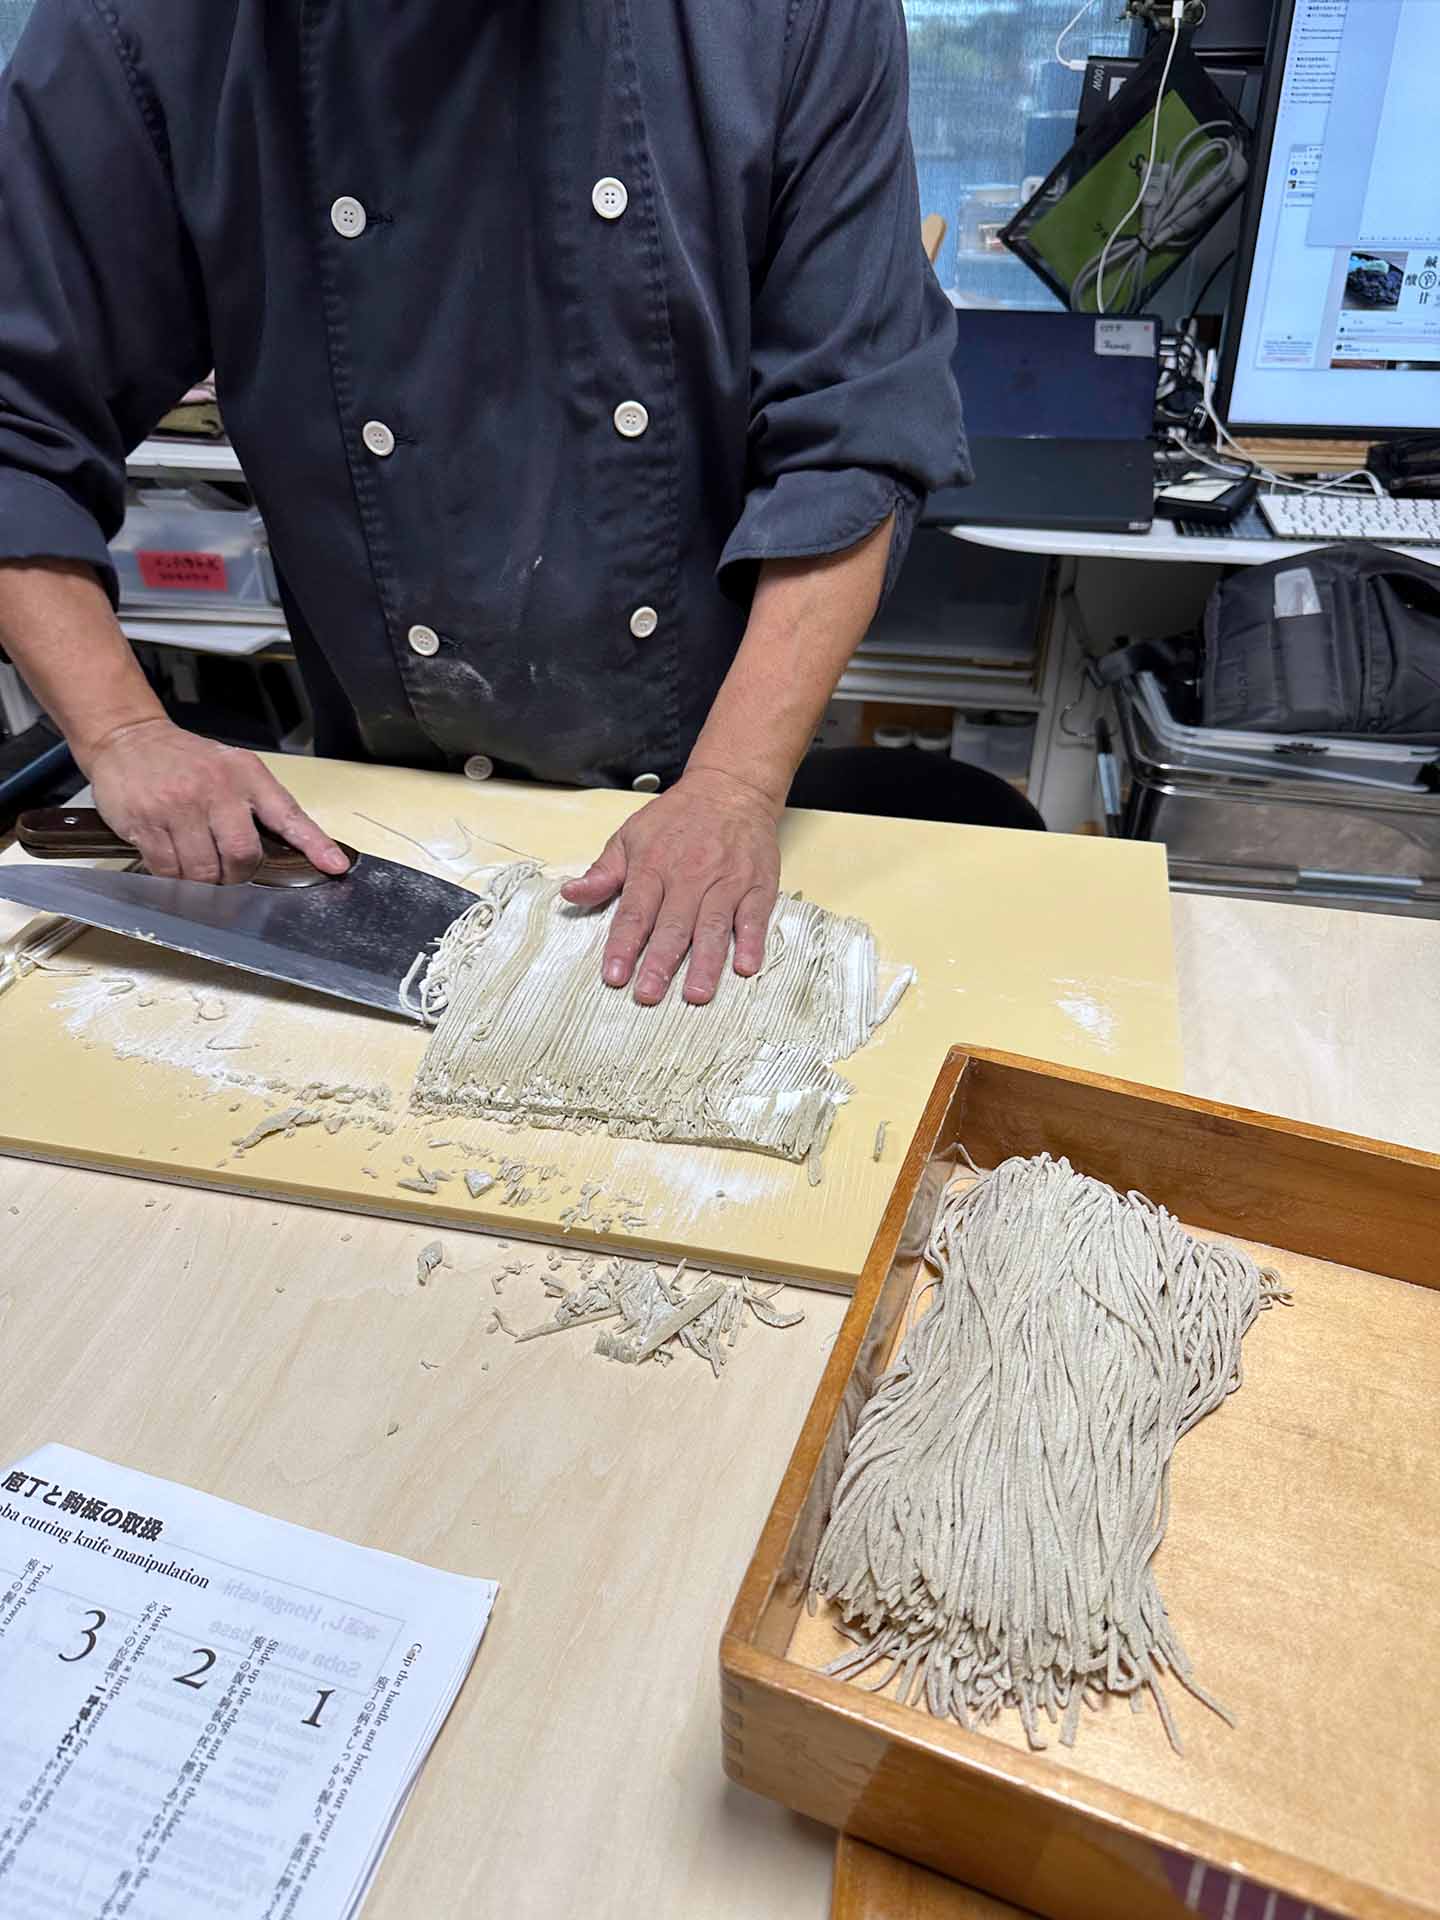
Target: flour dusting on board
159, 1023
1094, 1020
224, 1037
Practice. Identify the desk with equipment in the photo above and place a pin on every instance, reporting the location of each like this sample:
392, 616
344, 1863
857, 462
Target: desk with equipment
1297, 447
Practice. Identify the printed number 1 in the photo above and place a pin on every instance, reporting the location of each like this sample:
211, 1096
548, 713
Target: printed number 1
91, 1634
319, 1707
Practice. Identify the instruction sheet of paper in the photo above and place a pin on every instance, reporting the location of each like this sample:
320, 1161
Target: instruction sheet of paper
204, 1710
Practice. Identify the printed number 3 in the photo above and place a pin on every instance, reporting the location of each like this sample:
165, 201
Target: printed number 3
195, 1677
91, 1634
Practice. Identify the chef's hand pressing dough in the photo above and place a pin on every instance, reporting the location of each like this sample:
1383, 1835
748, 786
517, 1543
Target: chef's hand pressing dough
699, 864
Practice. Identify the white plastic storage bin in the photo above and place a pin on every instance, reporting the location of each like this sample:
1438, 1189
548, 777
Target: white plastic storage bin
1002, 742
174, 551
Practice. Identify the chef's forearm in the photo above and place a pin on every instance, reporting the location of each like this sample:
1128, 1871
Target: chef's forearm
57, 626
807, 618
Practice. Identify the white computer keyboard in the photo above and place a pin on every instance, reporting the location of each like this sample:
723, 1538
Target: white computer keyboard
1352, 516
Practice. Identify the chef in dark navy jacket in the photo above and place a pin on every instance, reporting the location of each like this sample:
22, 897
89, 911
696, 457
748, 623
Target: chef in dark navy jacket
585, 364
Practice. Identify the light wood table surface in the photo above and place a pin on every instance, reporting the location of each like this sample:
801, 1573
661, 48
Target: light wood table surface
261, 1351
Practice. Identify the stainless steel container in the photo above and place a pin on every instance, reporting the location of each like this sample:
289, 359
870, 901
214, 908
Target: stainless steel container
1273, 831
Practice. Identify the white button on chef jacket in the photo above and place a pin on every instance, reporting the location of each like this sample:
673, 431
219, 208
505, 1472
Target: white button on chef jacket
479, 767
646, 783
378, 438
643, 622
423, 640
631, 419
348, 217
609, 197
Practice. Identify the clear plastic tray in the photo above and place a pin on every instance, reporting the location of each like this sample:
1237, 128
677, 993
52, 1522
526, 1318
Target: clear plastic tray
174, 552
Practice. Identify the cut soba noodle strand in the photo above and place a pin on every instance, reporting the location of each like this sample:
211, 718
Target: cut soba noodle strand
525, 1028
991, 1538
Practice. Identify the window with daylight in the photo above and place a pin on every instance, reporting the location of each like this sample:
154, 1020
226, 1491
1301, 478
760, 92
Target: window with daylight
991, 111
13, 15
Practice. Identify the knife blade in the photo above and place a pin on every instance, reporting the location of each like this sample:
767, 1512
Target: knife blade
354, 937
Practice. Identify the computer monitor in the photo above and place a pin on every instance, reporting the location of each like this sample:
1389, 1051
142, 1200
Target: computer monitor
1334, 325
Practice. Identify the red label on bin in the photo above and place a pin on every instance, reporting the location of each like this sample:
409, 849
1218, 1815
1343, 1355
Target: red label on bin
204, 572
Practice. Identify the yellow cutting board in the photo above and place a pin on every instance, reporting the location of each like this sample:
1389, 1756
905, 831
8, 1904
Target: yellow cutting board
1052, 945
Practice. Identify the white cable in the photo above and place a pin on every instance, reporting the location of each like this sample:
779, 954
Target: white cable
1075, 66
1177, 14
1223, 438
1201, 173
1239, 467
1243, 469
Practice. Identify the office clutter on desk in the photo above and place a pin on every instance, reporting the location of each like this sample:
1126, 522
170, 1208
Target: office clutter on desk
1408, 467
207, 1710
1205, 498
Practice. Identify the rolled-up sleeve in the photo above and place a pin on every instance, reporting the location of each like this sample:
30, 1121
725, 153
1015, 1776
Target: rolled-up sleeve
102, 321
855, 412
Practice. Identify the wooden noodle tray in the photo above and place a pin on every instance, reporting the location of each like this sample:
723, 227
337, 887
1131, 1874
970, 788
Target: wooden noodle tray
1301, 1564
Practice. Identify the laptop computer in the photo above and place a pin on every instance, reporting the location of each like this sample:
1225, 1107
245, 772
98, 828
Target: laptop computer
1060, 410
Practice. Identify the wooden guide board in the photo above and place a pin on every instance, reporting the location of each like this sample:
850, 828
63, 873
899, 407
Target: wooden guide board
1056, 946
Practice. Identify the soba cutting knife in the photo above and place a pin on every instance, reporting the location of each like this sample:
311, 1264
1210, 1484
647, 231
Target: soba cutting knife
354, 937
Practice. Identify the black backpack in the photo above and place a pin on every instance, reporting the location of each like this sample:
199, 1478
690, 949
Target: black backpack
1345, 640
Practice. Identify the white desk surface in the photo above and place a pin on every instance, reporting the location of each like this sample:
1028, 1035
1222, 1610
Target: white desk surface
200, 1335
1162, 542
163, 458
237, 639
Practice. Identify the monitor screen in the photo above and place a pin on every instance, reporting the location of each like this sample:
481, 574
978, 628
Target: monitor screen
1336, 324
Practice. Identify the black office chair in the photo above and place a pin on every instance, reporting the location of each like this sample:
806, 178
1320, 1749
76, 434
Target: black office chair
909, 784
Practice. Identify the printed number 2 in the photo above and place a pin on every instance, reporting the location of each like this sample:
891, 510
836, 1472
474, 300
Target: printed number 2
324, 1694
193, 1678
90, 1634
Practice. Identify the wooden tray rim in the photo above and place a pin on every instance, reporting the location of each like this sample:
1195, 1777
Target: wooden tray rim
1037, 1777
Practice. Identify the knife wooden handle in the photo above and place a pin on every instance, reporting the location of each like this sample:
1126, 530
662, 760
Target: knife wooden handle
79, 833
